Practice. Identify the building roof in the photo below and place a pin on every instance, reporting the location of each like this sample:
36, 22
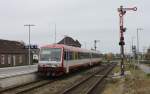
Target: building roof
8, 46
70, 42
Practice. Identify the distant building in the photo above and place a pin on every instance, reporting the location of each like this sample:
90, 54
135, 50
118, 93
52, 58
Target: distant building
147, 55
13, 53
70, 42
148, 50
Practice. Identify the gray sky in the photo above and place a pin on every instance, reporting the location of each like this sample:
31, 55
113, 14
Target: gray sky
85, 20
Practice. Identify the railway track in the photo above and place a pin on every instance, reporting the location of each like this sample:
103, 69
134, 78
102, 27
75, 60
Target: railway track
26, 88
83, 85
89, 84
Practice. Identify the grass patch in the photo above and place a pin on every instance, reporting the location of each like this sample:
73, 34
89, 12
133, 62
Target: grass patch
148, 75
136, 83
116, 69
128, 67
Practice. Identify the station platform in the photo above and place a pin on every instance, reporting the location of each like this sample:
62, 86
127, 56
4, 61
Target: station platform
15, 71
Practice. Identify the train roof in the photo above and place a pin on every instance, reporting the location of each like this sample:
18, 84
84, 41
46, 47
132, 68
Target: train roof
70, 48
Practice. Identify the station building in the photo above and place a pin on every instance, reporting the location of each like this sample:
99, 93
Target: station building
13, 53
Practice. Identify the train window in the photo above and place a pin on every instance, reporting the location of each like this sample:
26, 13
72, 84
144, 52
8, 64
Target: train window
65, 57
95, 55
79, 55
87, 55
82, 55
50, 54
76, 55
68, 55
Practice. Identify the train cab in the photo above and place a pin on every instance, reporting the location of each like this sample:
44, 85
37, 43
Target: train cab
50, 61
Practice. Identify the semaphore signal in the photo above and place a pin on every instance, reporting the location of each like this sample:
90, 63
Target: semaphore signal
122, 12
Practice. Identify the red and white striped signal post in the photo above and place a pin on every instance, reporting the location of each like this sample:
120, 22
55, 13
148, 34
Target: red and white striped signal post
122, 12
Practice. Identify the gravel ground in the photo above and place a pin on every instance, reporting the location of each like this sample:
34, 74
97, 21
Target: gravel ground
61, 85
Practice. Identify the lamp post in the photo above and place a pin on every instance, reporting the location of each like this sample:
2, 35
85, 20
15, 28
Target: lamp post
29, 25
138, 29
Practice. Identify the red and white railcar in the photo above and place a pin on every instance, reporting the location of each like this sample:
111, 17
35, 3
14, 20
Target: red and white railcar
57, 59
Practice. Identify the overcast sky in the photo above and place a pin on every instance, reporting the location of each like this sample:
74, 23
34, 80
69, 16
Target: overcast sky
85, 20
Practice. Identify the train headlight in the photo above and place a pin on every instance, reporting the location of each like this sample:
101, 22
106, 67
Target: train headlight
40, 65
55, 65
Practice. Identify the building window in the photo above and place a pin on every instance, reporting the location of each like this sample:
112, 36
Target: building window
9, 59
14, 60
2, 59
20, 59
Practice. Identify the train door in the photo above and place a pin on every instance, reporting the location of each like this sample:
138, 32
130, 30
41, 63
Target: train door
90, 59
67, 63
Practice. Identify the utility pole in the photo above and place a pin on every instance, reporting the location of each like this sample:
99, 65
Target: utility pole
133, 51
29, 25
85, 44
134, 55
138, 52
55, 33
95, 42
122, 12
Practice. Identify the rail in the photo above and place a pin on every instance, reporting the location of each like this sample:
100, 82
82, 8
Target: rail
26, 87
87, 85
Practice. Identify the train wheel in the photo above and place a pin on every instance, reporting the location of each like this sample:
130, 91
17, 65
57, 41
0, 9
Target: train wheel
48, 74
53, 74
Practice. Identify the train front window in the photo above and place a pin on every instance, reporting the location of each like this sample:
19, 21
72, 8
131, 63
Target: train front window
50, 54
